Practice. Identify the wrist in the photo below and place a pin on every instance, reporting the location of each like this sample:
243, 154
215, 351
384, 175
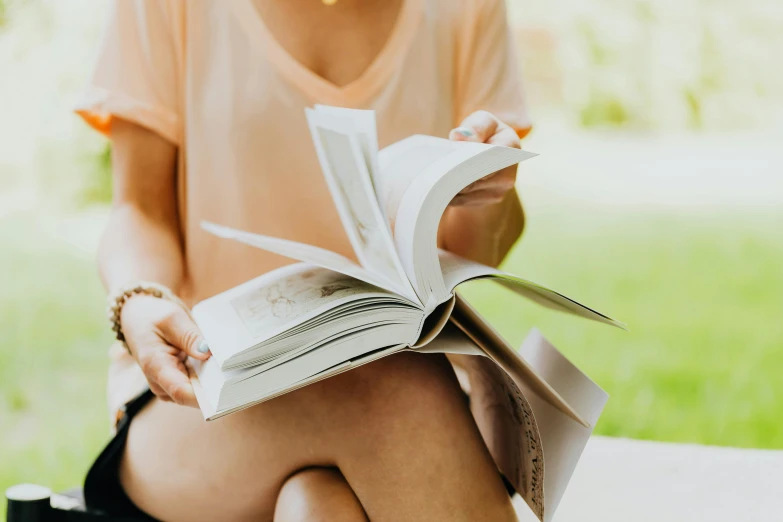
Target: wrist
117, 300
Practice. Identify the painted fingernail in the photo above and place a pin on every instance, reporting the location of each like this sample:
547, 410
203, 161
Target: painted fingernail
465, 132
203, 347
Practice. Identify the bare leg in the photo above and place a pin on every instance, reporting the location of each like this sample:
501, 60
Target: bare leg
318, 495
398, 429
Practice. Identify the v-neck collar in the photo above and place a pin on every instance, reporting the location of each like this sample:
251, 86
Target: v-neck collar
355, 93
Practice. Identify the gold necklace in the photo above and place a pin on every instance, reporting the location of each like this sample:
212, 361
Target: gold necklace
328, 2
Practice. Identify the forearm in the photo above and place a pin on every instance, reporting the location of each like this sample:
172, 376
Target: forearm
483, 233
142, 240
140, 246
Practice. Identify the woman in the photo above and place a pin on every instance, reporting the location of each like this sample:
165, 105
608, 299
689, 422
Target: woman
203, 102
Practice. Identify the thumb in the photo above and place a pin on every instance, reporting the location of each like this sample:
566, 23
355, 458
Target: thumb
179, 330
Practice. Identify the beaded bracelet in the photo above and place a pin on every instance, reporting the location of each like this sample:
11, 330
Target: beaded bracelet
117, 300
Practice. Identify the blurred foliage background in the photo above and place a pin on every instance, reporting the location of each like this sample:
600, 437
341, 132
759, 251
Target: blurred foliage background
657, 199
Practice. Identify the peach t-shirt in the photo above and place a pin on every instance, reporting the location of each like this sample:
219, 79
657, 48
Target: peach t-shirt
209, 77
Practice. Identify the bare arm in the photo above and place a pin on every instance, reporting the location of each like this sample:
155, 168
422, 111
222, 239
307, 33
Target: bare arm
485, 220
484, 234
142, 242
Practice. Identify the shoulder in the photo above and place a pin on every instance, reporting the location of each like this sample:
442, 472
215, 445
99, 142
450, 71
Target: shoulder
148, 16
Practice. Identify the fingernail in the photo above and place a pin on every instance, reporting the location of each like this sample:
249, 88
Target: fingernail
203, 347
465, 132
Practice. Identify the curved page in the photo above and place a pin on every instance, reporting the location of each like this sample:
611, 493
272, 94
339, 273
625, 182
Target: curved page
307, 253
419, 176
457, 270
562, 438
344, 164
363, 125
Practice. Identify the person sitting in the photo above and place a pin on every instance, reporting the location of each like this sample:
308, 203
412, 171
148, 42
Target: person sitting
204, 104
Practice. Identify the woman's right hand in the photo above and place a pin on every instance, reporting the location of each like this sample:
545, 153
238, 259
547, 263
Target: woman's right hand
161, 335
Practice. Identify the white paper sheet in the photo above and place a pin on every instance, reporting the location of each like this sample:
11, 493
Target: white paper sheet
562, 438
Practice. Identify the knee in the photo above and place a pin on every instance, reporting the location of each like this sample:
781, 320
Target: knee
317, 494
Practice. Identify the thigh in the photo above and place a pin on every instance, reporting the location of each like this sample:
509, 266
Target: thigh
177, 467
398, 429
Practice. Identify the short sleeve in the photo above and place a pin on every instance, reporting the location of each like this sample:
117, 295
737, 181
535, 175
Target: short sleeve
137, 70
488, 77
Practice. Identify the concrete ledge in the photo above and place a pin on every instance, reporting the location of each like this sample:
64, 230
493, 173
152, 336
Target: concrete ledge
626, 480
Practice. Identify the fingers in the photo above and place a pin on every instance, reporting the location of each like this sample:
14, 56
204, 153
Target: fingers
505, 136
179, 330
484, 127
161, 335
167, 376
173, 378
158, 391
479, 127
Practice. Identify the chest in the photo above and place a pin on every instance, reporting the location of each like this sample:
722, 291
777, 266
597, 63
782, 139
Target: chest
246, 88
336, 42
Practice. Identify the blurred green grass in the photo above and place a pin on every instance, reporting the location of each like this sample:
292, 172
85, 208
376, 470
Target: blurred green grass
53, 358
701, 294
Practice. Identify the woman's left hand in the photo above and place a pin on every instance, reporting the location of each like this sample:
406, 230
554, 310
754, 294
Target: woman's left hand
484, 127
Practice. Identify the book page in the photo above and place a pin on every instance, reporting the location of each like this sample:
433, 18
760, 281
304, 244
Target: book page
418, 178
457, 270
565, 402
347, 175
508, 425
563, 439
494, 346
534, 444
252, 384
263, 308
502, 413
266, 309
209, 410
363, 126
401, 163
306, 253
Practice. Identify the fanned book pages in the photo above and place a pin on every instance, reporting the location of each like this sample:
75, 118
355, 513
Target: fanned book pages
328, 314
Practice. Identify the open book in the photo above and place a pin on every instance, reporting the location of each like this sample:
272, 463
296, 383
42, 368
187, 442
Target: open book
327, 314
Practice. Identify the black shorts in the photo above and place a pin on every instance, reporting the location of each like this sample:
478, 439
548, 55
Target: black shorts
102, 489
